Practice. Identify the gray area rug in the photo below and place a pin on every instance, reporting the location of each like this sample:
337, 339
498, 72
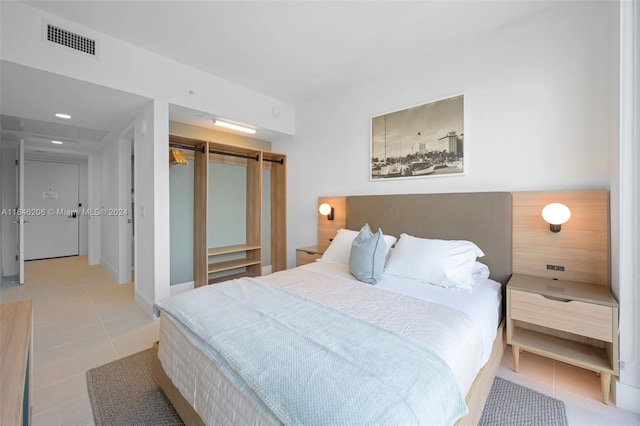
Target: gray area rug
123, 392
509, 404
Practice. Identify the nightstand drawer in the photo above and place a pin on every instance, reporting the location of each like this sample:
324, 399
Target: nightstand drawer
584, 319
303, 257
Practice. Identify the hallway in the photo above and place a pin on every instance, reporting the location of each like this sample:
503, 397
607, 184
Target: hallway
82, 319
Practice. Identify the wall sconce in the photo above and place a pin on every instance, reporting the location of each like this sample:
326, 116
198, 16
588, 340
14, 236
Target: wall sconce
555, 214
326, 210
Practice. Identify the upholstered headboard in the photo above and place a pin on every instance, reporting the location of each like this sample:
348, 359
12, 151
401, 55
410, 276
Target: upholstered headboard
481, 217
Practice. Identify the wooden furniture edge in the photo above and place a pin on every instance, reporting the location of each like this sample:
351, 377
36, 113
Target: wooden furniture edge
181, 405
481, 386
16, 362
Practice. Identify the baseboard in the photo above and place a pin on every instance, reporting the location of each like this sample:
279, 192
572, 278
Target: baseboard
627, 397
146, 306
266, 270
110, 269
181, 288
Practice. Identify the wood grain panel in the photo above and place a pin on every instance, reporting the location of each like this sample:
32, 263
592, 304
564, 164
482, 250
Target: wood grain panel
585, 319
15, 347
581, 247
302, 257
200, 216
327, 229
278, 209
254, 212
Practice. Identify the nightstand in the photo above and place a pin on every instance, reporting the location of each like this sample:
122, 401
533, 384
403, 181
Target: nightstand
568, 321
309, 254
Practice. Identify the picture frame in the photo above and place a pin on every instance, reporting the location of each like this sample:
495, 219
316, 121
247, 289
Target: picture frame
421, 141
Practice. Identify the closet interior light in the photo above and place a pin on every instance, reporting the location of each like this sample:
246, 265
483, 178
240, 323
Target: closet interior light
234, 126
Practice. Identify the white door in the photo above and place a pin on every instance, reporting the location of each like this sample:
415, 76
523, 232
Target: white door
20, 203
51, 208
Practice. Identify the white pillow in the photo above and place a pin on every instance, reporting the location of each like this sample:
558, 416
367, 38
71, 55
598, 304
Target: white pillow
339, 250
480, 273
445, 263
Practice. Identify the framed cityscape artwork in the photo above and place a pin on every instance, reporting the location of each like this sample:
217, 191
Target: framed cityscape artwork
421, 141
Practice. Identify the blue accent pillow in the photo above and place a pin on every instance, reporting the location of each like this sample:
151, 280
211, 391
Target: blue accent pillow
368, 255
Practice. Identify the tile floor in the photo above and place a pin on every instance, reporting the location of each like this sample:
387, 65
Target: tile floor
83, 319
579, 389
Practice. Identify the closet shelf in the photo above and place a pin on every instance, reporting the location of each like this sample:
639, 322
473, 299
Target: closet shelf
231, 264
228, 277
232, 249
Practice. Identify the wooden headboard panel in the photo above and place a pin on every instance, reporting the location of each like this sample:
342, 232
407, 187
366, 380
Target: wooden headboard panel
582, 245
481, 217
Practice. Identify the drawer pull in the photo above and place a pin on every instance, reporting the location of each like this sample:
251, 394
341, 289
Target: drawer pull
557, 299
309, 252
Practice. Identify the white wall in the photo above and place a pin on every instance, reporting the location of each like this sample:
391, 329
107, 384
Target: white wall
94, 183
625, 196
2, 243
8, 235
83, 197
109, 193
537, 99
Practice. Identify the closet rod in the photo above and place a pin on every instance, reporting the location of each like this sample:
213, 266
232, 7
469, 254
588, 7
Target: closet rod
231, 154
280, 161
187, 147
250, 157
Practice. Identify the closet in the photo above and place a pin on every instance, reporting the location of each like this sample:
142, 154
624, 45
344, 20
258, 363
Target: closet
214, 263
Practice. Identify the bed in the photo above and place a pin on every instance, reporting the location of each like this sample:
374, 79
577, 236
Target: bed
458, 334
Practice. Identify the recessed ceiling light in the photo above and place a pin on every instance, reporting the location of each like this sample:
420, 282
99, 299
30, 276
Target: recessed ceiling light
57, 142
234, 126
60, 115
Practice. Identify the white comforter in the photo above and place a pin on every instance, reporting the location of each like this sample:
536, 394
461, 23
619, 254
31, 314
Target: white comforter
458, 337
483, 304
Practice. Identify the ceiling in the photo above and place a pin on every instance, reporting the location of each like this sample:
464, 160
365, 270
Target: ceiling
31, 98
291, 50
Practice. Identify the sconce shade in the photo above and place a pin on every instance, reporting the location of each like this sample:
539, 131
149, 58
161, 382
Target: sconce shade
555, 214
326, 210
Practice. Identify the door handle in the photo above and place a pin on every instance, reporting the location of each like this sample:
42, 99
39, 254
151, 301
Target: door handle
21, 221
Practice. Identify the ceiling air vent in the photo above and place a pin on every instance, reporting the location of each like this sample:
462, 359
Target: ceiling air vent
80, 43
